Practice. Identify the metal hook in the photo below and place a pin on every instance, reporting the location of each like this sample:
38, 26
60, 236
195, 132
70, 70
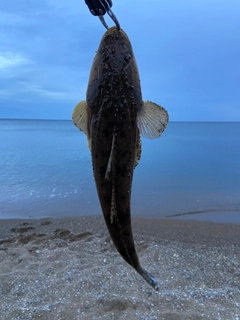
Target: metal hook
111, 15
103, 21
114, 18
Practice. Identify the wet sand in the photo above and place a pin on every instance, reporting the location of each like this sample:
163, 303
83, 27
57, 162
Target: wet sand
69, 269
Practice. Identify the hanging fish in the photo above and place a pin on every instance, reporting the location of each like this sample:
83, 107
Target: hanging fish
113, 116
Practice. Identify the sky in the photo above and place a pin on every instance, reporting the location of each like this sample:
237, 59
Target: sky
188, 55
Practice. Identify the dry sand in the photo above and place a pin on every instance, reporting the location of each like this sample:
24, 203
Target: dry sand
69, 269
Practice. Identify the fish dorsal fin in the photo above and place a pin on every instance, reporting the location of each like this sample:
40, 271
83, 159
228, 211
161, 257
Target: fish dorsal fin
80, 116
152, 120
111, 157
138, 150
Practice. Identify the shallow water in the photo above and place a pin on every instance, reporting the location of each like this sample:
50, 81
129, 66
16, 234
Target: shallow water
45, 171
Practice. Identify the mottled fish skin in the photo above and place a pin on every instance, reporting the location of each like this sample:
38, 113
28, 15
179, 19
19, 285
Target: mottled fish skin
114, 98
113, 116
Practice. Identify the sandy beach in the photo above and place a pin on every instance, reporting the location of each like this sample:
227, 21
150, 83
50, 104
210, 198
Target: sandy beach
69, 269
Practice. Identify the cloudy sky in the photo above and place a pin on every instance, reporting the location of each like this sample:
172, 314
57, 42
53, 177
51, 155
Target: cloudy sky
188, 54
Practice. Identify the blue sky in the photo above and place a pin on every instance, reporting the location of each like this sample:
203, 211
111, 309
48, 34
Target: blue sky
188, 54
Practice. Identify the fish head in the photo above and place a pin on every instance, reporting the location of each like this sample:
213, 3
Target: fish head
116, 50
114, 66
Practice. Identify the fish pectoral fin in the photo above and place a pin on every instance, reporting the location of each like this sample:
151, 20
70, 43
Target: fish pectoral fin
80, 119
110, 159
80, 116
138, 150
152, 120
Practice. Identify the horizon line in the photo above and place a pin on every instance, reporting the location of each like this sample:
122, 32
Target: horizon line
38, 119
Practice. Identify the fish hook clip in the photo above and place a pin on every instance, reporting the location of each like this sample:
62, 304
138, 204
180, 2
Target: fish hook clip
99, 8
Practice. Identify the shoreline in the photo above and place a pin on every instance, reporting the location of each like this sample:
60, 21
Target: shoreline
149, 227
216, 216
68, 268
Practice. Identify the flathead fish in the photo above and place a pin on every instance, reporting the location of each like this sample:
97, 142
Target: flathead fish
113, 116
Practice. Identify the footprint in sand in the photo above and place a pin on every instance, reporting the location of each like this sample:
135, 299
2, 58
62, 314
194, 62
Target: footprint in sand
24, 239
45, 222
23, 228
68, 235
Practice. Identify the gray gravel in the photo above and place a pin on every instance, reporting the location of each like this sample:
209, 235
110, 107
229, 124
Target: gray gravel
69, 269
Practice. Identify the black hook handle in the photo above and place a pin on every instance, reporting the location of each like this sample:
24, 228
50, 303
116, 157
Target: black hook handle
99, 8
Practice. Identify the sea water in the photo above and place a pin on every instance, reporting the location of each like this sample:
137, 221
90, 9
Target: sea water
192, 170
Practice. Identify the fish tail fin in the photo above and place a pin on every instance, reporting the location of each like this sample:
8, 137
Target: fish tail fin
149, 278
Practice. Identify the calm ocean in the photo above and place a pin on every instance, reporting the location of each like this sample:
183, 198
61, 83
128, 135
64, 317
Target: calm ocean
192, 171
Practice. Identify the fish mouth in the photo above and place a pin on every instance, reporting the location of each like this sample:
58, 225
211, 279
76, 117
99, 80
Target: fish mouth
113, 34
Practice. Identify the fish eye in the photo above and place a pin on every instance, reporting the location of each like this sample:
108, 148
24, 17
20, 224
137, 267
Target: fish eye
105, 56
127, 57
